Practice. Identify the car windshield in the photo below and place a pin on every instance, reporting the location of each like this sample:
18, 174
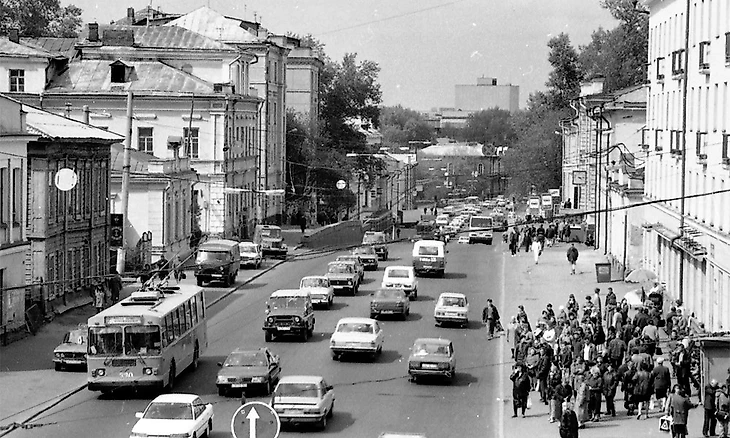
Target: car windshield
77, 337
314, 282
247, 247
398, 273
423, 349
142, 340
246, 359
355, 327
272, 233
373, 238
452, 302
340, 269
287, 302
211, 256
347, 259
297, 390
389, 294
428, 250
105, 341
365, 250
169, 411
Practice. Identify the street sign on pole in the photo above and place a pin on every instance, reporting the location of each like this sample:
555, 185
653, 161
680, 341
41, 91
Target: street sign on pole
255, 420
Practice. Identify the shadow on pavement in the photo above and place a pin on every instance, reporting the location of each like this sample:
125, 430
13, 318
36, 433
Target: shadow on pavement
338, 305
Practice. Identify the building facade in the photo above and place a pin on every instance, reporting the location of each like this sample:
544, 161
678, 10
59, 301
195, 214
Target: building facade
14, 245
687, 227
487, 94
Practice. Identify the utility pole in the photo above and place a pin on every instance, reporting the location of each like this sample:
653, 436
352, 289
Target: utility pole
122, 252
683, 201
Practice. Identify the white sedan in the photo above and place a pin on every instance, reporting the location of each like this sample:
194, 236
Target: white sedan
320, 290
357, 335
174, 415
452, 308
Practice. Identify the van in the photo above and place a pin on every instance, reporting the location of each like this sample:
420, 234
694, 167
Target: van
271, 240
429, 256
217, 260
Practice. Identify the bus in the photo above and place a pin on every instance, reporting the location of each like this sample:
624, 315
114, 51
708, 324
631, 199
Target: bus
147, 339
480, 229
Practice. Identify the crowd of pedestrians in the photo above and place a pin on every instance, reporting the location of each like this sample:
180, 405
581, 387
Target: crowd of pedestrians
582, 357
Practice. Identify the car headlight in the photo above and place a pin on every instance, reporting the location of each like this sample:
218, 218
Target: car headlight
101, 372
59, 355
297, 319
414, 365
257, 380
270, 319
220, 379
349, 281
332, 342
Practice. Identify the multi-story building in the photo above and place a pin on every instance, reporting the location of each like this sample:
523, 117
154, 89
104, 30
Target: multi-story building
184, 86
450, 169
14, 245
687, 226
303, 67
268, 78
487, 94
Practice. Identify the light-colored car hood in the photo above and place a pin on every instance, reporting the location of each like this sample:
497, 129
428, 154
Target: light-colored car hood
70, 348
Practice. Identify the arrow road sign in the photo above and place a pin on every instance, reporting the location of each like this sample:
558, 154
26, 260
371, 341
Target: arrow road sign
255, 420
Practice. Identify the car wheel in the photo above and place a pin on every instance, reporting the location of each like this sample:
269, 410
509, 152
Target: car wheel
335, 356
222, 391
414, 379
323, 422
57, 366
372, 316
210, 428
268, 336
199, 281
404, 316
330, 302
305, 334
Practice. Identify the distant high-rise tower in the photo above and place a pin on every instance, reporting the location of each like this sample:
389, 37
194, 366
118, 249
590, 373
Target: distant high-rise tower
487, 94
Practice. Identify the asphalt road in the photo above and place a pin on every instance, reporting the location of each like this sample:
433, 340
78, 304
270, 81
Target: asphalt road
371, 397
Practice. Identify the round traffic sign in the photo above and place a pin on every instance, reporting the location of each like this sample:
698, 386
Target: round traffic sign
341, 184
255, 420
66, 179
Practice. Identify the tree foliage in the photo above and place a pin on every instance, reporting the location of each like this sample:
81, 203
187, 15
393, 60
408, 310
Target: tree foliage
401, 125
490, 127
36, 18
564, 80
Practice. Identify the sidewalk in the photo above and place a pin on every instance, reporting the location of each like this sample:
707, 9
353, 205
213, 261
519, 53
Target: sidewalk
533, 286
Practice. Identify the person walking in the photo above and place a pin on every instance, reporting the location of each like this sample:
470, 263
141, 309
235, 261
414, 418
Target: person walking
642, 390
114, 283
595, 389
572, 255
536, 250
490, 317
520, 389
709, 423
99, 296
679, 406
722, 402
568, 422
610, 384
610, 305
662, 378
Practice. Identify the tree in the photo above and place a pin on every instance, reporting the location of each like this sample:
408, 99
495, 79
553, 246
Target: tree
401, 125
490, 127
36, 18
564, 80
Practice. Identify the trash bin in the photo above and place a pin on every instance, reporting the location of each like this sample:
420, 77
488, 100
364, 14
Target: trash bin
603, 272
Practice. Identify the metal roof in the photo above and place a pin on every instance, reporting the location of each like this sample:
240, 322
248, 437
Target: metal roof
9, 48
55, 46
94, 76
165, 37
214, 25
51, 125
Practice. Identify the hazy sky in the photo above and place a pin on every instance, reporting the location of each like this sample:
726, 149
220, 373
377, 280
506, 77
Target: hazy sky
423, 47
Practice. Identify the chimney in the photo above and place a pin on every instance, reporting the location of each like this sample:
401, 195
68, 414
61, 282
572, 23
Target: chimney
130, 15
14, 36
93, 32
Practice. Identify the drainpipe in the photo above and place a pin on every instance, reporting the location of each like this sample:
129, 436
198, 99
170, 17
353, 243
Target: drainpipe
682, 202
608, 142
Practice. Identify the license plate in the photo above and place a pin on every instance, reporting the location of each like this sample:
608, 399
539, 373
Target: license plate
126, 374
283, 329
452, 314
429, 366
427, 266
292, 411
239, 385
387, 311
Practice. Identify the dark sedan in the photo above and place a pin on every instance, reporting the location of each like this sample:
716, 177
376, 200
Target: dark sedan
390, 301
246, 369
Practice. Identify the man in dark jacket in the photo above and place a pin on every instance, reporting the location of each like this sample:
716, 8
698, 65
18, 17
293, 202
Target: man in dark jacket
568, 422
662, 381
615, 350
490, 317
595, 388
708, 402
572, 255
520, 389
542, 373
610, 384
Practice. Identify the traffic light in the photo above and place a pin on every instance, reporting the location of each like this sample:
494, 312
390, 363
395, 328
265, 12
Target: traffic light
116, 230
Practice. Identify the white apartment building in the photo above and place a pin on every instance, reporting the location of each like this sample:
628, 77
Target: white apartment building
687, 229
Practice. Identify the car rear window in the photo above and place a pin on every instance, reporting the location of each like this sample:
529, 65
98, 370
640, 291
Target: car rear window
398, 273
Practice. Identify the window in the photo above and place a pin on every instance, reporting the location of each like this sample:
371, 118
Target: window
678, 62
17, 197
119, 73
191, 142
660, 68
704, 55
144, 140
17, 80
701, 144
727, 47
658, 140
4, 186
725, 147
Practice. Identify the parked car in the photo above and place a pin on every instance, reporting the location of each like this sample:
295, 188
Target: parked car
174, 415
463, 239
390, 301
244, 369
320, 290
289, 312
402, 277
377, 240
359, 265
432, 357
251, 255
452, 308
71, 352
356, 335
343, 277
304, 399
368, 256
